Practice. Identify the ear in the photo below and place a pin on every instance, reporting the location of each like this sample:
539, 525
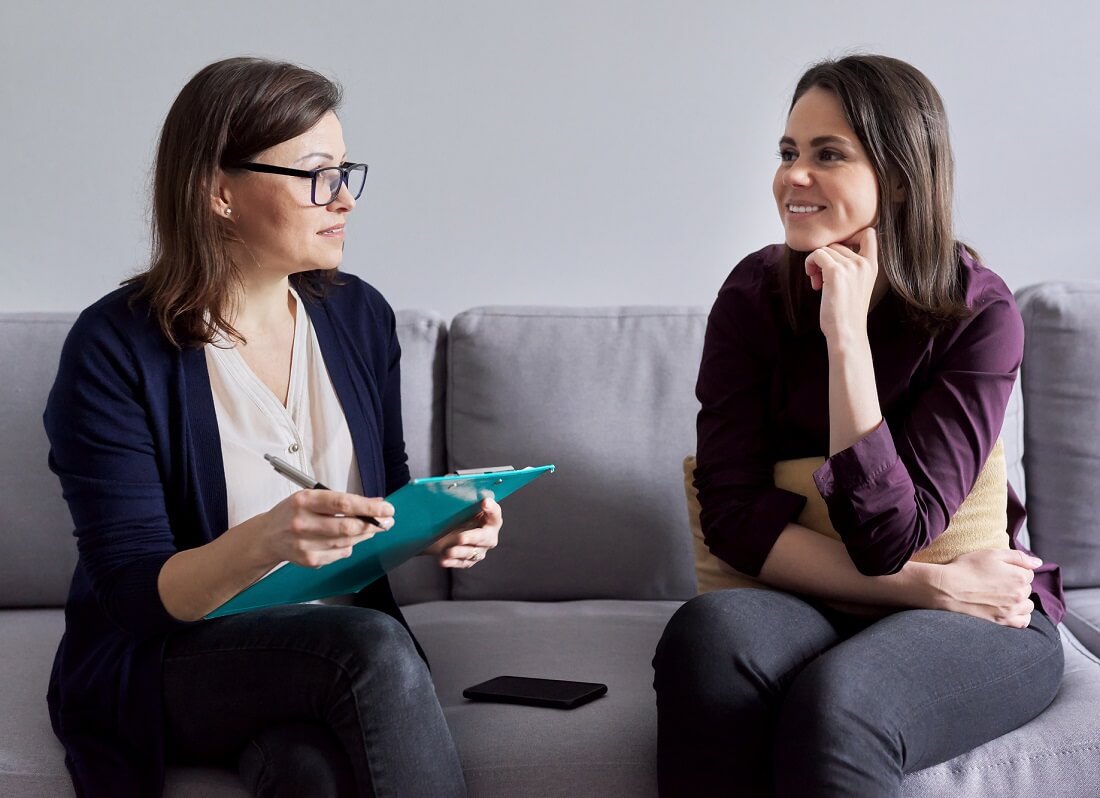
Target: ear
898, 193
221, 197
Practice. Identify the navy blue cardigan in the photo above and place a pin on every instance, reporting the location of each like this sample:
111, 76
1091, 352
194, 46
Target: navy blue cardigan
134, 439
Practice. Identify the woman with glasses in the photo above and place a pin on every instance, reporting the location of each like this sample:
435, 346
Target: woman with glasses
853, 385
241, 339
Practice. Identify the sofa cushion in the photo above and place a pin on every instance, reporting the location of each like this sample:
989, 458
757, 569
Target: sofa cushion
35, 525
1083, 616
1061, 391
605, 748
607, 395
608, 747
423, 337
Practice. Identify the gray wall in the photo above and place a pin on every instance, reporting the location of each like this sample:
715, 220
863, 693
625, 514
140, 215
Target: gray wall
576, 152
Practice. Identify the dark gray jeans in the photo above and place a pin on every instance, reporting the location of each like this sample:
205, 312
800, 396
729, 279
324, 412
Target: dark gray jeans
763, 693
310, 700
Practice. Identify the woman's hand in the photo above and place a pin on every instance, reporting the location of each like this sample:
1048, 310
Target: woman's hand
846, 278
467, 545
994, 584
316, 527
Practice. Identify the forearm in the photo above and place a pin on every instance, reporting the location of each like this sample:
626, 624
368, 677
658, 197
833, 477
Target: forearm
196, 581
854, 409
804, 561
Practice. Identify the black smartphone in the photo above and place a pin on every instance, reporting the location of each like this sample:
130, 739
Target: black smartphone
557, 693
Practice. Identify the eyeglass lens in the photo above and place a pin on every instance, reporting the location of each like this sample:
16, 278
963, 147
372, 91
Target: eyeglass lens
326, 182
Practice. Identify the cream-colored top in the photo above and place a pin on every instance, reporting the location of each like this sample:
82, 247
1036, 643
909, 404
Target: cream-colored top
310, 432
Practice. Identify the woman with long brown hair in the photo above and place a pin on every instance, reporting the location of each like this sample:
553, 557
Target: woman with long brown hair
242, 338
880, 614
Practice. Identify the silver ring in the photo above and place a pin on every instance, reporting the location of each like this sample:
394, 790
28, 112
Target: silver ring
477, 556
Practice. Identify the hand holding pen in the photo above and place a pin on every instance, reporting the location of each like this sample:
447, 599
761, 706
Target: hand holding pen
317, 526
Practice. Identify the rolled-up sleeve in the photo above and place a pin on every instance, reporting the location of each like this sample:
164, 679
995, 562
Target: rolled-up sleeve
743, 513
895, 491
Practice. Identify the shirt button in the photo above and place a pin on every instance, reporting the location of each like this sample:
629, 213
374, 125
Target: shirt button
293, 448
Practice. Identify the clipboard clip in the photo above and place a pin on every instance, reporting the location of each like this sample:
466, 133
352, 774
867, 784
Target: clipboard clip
466, 472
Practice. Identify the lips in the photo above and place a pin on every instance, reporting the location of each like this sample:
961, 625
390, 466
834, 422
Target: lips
800, 208
332, 232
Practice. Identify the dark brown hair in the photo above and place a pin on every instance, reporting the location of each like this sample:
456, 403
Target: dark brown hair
227, 113
899, 118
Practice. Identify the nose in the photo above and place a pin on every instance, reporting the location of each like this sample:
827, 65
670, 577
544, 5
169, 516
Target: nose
343, 201
798, 174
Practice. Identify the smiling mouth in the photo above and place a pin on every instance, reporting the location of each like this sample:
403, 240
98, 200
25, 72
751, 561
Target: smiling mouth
804, 208
338, 230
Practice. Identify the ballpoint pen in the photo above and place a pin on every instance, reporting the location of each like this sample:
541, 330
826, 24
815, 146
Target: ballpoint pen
308, 482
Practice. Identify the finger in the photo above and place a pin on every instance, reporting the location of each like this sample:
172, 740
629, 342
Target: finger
868, 245
481, 537
334, 502
462, 557
1021, 558
324, 531
825, 259
491, 513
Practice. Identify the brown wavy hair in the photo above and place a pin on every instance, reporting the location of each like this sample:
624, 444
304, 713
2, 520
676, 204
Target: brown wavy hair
227, 113
898, 116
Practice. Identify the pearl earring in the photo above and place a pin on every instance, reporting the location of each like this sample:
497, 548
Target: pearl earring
228, 211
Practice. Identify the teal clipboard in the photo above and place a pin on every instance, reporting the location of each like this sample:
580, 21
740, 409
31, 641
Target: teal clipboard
424, 510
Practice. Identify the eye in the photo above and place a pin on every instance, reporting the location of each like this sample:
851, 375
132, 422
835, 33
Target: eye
787, 155
830, 155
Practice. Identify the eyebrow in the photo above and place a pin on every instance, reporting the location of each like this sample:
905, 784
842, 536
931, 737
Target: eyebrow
820, 141
316, 155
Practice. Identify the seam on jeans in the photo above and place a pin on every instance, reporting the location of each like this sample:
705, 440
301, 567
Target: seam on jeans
927, 774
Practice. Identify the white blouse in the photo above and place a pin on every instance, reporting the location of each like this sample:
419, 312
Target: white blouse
310, 432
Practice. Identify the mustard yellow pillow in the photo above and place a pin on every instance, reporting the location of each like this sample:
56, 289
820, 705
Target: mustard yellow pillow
981, 521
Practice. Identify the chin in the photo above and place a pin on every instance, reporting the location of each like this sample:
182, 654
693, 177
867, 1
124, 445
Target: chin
808, 242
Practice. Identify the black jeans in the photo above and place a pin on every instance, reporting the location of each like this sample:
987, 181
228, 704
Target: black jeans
310, 700
764, 693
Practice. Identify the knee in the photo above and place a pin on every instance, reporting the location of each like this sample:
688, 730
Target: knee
376, 643
703, 643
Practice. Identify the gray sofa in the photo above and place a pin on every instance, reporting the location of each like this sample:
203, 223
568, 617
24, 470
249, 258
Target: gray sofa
593, 559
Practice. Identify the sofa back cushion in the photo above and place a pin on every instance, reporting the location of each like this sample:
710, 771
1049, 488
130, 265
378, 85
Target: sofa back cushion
1061, 392
423, 337
39, 552
607, 395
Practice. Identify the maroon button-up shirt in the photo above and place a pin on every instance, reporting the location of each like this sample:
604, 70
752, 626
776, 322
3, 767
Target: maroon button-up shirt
765, 397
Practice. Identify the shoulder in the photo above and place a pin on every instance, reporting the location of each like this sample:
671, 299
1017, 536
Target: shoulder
117, 323
994, 327
355, 300
750, 292
990, 300
756, 273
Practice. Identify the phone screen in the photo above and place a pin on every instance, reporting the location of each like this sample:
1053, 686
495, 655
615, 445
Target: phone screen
557, 693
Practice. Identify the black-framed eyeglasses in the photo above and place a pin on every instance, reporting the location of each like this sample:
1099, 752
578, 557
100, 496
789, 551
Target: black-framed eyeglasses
325, 182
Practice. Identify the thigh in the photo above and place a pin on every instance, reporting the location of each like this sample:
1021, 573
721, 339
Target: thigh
938, 684
227, 679
762, 636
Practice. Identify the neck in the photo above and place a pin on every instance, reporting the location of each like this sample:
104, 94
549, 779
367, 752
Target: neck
263, 302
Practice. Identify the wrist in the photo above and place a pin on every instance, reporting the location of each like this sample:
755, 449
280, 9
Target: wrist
846, 341
917, 585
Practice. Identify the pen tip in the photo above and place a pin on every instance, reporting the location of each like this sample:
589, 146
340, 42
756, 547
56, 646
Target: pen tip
267, 457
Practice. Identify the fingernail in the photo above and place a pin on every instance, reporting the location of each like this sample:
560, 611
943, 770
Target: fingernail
386, 522
387, 508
